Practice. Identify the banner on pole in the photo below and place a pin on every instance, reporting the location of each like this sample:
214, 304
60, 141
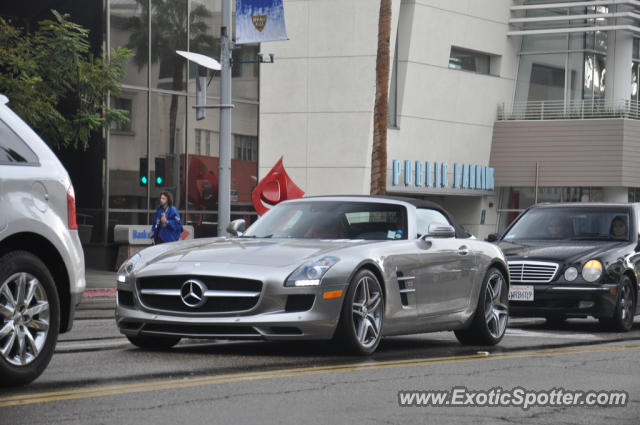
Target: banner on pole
258, 21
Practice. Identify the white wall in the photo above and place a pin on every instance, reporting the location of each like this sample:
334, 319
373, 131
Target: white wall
316, 100
447, 115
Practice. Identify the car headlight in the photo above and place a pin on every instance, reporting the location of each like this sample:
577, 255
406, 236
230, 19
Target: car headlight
592, 270
311, 274
127, 267
571, 274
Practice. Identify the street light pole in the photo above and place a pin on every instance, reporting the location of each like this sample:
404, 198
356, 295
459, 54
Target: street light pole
224, 164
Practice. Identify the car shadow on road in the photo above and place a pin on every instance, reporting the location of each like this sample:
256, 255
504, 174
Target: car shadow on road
575, 326
414, 346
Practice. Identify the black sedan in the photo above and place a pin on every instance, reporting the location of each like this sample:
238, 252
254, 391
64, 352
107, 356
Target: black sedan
575, 260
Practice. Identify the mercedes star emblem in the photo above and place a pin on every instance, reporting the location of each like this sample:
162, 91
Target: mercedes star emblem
192, 293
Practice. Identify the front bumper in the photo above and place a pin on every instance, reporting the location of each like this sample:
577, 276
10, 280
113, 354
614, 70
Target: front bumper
268, 319
572, 300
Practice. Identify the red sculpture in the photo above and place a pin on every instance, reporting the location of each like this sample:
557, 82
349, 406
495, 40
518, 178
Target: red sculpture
275, 187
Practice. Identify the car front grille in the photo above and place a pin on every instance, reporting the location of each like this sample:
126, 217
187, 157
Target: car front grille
209, 294
532, 271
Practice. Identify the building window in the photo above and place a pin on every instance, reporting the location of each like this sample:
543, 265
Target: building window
207, 146
198, 149
514, 200
245, 147
126, 105
469, 60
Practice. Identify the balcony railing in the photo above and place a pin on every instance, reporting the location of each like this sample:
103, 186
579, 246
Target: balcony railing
573, 110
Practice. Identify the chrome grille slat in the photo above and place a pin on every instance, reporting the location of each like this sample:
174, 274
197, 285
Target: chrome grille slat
532, 271
221, 294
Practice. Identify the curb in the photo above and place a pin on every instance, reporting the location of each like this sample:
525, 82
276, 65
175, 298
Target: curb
99, 293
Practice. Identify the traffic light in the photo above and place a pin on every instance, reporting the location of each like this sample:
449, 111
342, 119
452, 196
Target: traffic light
143, 179
161, 177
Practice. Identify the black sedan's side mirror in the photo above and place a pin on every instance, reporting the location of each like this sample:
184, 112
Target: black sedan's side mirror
236, 227
493, 237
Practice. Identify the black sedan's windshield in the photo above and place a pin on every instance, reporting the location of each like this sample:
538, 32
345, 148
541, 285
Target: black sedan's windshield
571, 224
332, 220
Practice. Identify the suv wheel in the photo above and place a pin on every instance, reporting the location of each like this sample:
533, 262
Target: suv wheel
29, 318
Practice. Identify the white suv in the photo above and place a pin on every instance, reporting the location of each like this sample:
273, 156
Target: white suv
41, 260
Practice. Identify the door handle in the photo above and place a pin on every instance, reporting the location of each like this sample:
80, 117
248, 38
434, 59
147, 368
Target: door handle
463, 250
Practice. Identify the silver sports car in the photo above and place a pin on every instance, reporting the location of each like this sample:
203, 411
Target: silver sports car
350, 268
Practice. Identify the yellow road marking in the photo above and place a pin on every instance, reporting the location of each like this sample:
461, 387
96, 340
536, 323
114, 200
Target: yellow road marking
283, 373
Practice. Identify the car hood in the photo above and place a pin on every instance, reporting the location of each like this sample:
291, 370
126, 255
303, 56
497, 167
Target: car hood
559, 251
254, 252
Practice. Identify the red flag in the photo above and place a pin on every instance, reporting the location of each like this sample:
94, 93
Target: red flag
275, 187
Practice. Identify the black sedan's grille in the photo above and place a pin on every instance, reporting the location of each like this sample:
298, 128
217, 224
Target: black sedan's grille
198, 294
532, 271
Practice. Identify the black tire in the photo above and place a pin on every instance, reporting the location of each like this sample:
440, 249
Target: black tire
491, 317
154, 343
32, 326
555, 319
622, 320
368, 317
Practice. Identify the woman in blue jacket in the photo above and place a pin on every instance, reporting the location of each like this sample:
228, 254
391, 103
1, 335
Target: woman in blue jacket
166, 226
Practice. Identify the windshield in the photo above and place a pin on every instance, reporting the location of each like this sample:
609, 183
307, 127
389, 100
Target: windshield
332, 220
571, 224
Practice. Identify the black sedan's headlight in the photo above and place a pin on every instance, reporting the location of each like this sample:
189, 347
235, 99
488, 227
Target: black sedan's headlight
592, 270
311, 274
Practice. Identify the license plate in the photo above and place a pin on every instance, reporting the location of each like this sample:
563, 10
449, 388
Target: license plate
521, 293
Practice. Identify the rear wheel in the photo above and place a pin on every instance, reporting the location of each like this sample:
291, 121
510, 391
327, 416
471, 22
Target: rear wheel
622, 320
29, 318
360, 326
153, 342
492, 313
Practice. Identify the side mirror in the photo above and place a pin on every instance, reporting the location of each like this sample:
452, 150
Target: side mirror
493, 237
236, 227
437, 230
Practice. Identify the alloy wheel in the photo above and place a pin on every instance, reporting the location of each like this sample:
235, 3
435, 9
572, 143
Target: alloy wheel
626, 303
496, 310
367, 311
24, 318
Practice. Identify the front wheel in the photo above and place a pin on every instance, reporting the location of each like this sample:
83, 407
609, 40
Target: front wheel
360, 325
490, 320
153, 342
29, 318
622, 320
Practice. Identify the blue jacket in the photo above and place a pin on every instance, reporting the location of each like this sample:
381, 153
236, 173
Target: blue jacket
172, 231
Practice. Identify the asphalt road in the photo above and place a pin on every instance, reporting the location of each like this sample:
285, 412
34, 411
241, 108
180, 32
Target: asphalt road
97, 377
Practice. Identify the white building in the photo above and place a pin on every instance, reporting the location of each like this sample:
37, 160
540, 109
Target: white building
317, 99
462, 71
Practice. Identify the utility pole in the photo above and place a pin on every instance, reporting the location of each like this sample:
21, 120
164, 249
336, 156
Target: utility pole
224, 164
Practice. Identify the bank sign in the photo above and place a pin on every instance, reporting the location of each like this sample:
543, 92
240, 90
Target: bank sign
438, 175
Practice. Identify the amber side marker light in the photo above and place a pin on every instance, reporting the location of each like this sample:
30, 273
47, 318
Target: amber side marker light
332, 294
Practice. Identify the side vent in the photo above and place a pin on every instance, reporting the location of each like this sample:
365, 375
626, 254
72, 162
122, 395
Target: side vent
405, 285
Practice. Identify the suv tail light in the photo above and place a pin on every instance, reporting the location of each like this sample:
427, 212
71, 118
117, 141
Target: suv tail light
71, 209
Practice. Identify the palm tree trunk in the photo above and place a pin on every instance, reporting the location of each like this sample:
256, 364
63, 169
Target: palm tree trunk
380, 109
